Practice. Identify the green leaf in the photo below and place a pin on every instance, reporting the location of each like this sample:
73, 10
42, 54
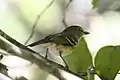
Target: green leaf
95, 2
107, 62
80, 59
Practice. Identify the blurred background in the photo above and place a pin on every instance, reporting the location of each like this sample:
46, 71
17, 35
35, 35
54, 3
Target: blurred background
18, 16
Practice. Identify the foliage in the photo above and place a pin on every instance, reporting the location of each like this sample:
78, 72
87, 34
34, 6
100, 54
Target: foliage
80, 59
107, 62
95, 2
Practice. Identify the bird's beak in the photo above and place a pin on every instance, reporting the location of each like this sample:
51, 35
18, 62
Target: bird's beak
85, 33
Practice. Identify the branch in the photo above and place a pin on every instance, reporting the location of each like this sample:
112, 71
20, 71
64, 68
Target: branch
36, 21
3, 70
12, 46
64, 22
15, 9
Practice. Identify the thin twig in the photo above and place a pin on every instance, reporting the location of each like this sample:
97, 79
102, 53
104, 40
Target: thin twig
46, 55
36, 21
64, 22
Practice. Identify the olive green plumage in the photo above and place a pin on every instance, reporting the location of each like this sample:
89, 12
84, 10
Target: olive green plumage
69, 37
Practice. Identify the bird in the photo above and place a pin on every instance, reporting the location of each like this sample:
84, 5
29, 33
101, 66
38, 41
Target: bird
64, 41
68, 37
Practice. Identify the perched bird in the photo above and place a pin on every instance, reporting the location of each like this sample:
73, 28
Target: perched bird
69, 37
64, 41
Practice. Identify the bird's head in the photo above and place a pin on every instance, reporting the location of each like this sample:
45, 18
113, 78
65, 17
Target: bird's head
79, 29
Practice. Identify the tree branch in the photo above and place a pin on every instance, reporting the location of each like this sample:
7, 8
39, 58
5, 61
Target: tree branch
12, 46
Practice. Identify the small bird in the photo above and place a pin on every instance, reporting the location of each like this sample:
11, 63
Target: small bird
69, 37
65, 41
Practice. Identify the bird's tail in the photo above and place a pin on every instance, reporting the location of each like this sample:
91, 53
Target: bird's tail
38, 42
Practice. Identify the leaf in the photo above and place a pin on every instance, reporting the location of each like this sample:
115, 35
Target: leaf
80, 59
95, 2
107, 62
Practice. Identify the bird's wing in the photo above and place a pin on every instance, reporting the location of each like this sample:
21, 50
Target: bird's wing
72, 36
60, 39
42, 41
